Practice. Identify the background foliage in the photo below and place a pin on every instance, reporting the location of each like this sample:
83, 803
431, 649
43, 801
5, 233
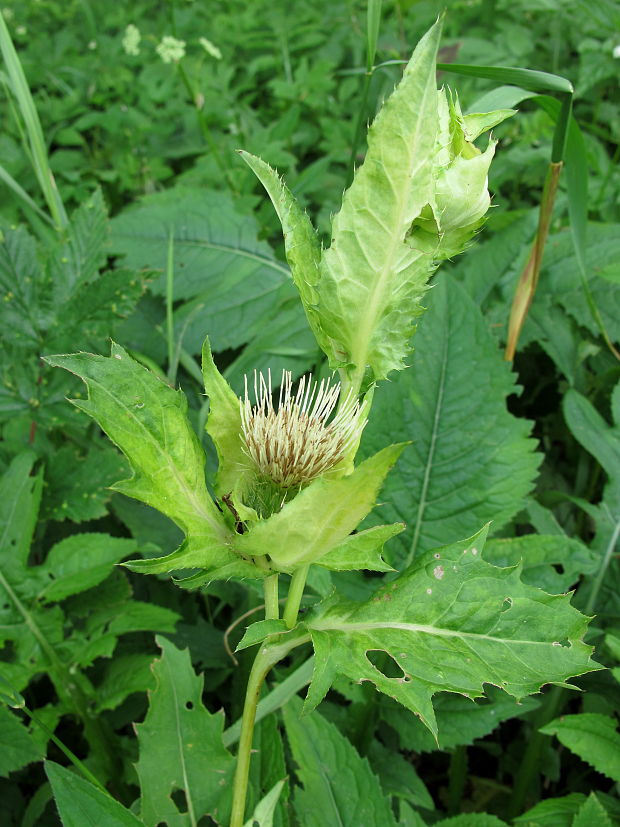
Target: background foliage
169, 238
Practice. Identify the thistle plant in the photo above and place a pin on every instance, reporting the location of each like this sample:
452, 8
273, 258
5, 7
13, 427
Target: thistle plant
289, 493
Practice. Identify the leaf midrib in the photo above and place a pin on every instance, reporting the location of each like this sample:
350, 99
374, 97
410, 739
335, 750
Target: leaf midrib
437, 631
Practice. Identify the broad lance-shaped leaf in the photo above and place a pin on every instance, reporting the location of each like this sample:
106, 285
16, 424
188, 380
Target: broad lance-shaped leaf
451, 622
372, 280
471, 461
339, 787
181, 748
320, 517
303, 251
80, 803
147, 420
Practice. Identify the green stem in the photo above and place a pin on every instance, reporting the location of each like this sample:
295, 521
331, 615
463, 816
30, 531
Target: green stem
457, 776
530, 763
266, 657
295, 593
359, 129
272, 606
598, 580
169, 307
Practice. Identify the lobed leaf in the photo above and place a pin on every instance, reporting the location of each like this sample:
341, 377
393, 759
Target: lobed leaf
147, 420
181, 747
451, 622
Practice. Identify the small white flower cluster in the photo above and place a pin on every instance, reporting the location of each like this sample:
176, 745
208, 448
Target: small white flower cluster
210, 48
170, 49
131, 40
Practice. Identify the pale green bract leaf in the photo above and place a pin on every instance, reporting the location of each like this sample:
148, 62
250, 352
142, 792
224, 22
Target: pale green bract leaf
518, 637
372, 278
321, 516
362, 550
593, 737
224, 427
303, 251
266, 807
181, 747
147, 420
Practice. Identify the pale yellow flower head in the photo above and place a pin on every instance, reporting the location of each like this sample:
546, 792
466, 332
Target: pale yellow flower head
295, 443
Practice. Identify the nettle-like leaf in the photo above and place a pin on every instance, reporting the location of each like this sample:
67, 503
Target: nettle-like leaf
602, 440
471, 461
593, 737
225, 278
80, 803
147, 420
451, 622
92, 605
181, 748
339, 786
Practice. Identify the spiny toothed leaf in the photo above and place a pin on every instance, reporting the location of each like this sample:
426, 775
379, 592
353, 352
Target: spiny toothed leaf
451, 622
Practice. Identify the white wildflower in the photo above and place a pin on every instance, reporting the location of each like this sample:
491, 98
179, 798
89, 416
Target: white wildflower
92, 45
8, 13
616, 51
131, 40
210, 48
170, 49
296, 443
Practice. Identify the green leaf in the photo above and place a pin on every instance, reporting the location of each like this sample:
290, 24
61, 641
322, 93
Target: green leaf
303, 251
80, 562
471, 461
451, 622
77, 482
265, 809
372, 280
552, 812
124, 675
224, 427
81, 804
147, 420
20, 496
224, 277
459, 720
338, 785
333, 507
181, 747
591, 736
362, 550
398, 776
553, 562
591, 430
592, 812
472, 820
19, 748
